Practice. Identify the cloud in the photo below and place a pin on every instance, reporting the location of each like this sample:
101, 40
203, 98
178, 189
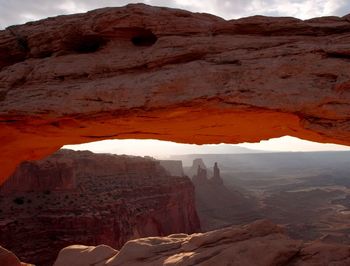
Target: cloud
19, 11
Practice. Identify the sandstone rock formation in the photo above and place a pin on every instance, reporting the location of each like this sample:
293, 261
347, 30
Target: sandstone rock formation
216, 177
217, 205
7, 258
150, 72
174, 167
41, 176
114, 199
193, 169
261, 243
201, 176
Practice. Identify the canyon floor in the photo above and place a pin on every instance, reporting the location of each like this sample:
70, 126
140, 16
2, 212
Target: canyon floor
307, 193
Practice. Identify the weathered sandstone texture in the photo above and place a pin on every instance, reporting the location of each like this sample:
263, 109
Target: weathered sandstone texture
260, 244
150, 72
7, 258
110, 199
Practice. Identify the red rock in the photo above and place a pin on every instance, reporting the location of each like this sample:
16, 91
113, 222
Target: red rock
114, 199
7, 258
125, 73
260, 244
40, 176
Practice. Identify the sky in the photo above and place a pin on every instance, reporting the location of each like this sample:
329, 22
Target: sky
164, 149
21, 11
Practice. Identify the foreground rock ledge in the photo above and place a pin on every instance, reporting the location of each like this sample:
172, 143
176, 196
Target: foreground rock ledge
149, 72
260, 243
7, 258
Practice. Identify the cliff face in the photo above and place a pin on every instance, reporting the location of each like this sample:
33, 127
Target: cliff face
124, 73
174, 167
113, 199
217, 205
260, 243
40, 176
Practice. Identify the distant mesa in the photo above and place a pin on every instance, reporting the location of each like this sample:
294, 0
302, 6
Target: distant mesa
193, 170
198, 162
173, 167
202, 174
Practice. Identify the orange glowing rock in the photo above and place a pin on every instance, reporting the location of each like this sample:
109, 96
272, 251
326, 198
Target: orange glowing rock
148, 72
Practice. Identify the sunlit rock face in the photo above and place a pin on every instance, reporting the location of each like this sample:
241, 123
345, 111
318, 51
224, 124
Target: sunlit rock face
260, 243
125, 73
109, 199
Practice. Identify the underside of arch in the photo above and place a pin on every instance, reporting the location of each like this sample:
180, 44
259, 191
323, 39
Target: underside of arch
148, 72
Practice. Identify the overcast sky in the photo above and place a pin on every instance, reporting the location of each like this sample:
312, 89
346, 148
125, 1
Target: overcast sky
163, 149
20, 11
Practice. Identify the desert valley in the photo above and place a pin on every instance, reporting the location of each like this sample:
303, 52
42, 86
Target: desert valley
78, 197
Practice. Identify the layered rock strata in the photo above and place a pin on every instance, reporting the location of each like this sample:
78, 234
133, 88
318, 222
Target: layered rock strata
151, 72
113, 199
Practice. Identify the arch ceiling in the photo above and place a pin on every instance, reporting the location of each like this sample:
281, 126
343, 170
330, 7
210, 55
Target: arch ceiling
148, 72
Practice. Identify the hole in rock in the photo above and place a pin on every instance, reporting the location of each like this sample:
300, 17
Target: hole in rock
88, 194
144, 37
86, 43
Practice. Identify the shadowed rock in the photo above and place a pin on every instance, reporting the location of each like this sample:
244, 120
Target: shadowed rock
125, 73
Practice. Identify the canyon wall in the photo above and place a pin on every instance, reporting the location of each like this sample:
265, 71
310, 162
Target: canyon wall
174, 167
109, 200
40, 176
159, 73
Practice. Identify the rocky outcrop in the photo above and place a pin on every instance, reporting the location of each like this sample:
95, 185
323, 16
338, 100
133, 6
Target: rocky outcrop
174, 167
201, 177
125, 73
114, 199
260, 243
7, 258
40, 176
217, 177
217, 205
194, 168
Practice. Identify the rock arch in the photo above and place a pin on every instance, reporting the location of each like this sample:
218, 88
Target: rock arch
149, 72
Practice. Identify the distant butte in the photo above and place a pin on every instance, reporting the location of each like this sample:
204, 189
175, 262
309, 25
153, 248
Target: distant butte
150, 72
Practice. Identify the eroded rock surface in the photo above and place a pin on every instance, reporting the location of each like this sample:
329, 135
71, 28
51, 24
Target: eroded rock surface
7, 258
114, 199
149, 72
260, 243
